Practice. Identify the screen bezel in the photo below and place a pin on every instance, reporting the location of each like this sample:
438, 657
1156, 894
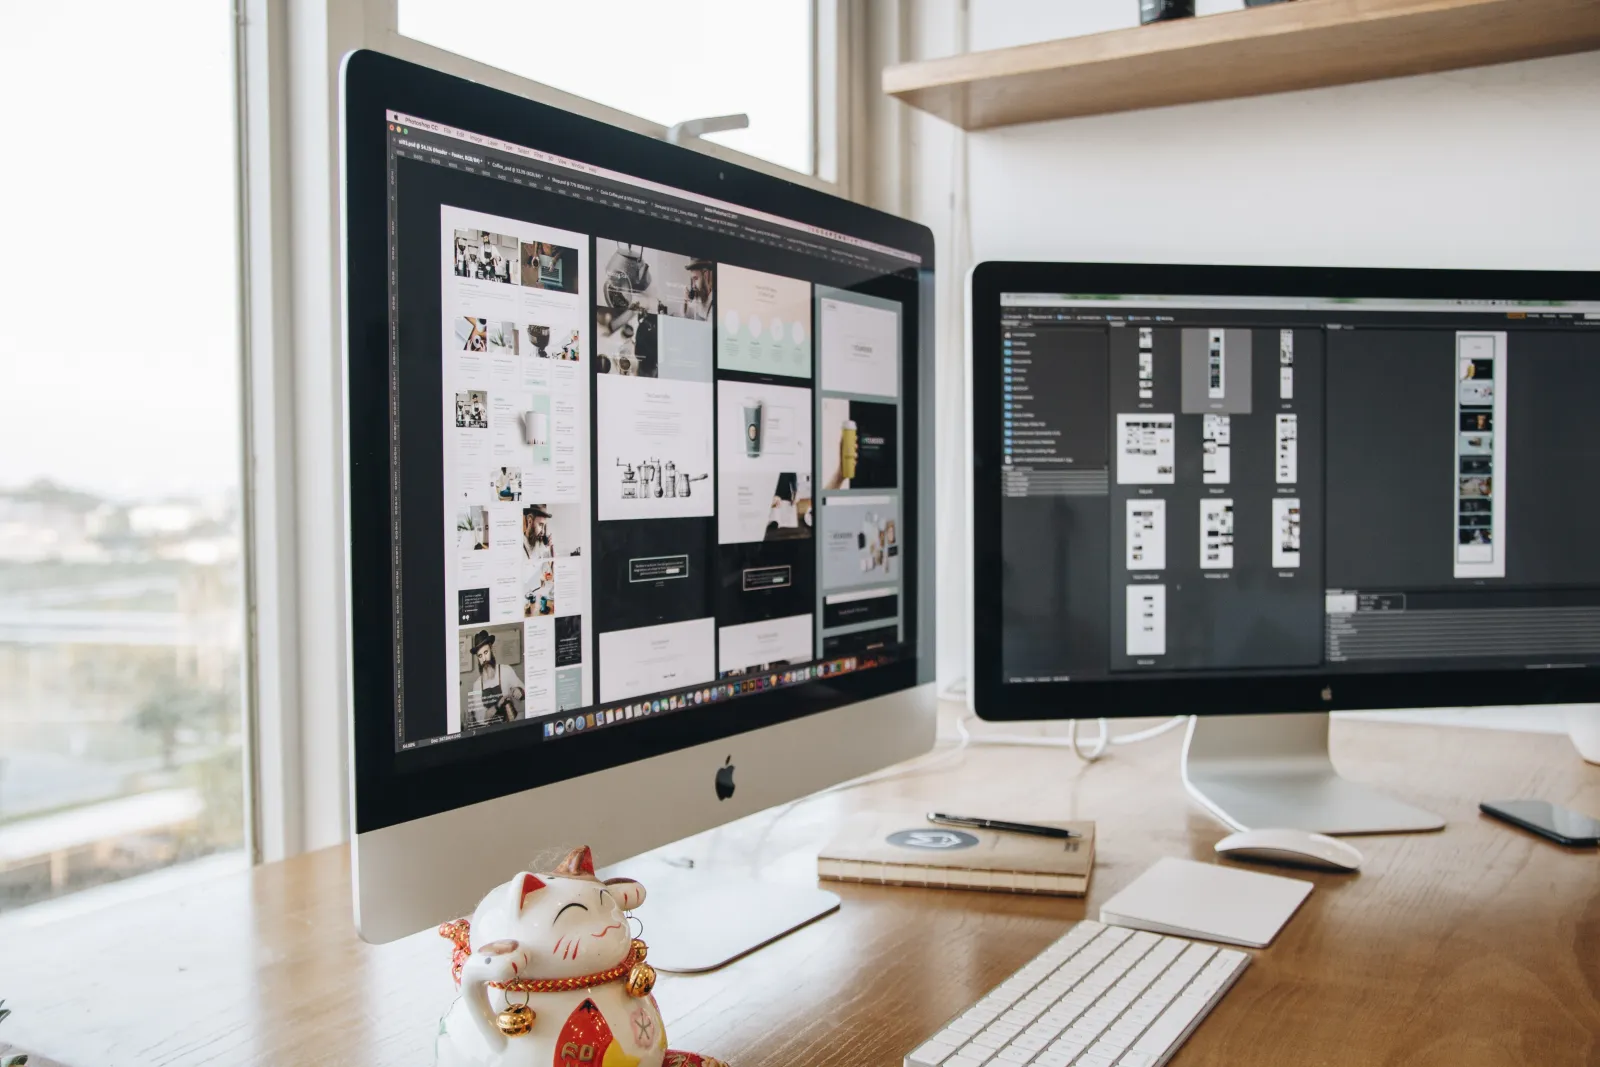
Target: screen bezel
391, 787
1239, 694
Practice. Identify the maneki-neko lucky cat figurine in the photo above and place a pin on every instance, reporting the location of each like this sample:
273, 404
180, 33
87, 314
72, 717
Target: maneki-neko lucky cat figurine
551, 976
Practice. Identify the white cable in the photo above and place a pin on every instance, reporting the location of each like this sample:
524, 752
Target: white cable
956, 689
927, 762
1071, 740
1154, 731
1100, 743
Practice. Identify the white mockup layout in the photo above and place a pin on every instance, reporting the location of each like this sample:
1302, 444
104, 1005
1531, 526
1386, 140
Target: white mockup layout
515, 414
1216, 534
1288, 452
1216, 365
1285, 383
1147, 620
654, 454
763, 462
652, 658
1145, 449
1479, 480
1217, 448
860, 344
1285, 532
1147, 534
765, 322
764, 645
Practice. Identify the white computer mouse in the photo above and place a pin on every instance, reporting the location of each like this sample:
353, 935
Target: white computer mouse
1296, 848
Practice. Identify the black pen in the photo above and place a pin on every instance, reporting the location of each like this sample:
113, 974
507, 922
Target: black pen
1000, 824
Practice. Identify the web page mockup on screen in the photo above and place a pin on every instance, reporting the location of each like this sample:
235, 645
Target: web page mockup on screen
1283, 486
668, 455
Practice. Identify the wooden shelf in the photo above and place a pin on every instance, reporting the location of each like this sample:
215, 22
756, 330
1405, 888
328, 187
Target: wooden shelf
1300, 45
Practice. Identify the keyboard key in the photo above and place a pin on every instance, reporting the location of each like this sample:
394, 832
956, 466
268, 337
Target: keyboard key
932, 1054
1013, 1054
1170, 1026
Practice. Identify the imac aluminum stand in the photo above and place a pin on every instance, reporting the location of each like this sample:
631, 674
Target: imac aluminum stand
698, 919
1258, 771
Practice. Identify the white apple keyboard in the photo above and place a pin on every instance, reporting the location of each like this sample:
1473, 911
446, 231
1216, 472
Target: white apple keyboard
1102, 996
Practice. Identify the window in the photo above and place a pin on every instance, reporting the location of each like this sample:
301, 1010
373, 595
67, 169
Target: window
663, 62
120, 631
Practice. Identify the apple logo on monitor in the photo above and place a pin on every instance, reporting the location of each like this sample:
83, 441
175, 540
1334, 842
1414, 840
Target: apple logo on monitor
725, 779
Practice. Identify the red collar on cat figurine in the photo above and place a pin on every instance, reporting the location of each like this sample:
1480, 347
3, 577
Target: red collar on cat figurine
640, 975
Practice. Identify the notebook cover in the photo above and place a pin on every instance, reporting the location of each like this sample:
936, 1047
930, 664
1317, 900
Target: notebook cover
1207, 901
905, 850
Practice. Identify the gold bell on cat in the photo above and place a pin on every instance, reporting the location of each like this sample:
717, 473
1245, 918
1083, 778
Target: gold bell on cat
516, 1020
641, 976
641, 979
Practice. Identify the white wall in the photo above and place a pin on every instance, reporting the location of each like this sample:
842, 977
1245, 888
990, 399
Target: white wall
1491, 167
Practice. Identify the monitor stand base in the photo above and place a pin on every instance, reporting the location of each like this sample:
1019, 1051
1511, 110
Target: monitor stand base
699, 919
1260, 771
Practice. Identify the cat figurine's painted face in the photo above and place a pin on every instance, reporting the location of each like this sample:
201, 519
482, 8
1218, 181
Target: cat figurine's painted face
566, 923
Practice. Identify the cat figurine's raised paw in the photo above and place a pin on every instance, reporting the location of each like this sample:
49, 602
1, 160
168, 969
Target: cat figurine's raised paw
550, 976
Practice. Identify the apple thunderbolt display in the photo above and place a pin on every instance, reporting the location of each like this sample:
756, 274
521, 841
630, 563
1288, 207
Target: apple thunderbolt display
1228, 491
639, 488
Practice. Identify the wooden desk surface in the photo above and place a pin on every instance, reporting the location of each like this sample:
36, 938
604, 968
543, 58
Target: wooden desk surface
1479, 945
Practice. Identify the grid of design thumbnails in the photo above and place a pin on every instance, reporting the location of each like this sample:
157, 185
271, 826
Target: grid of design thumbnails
670, 477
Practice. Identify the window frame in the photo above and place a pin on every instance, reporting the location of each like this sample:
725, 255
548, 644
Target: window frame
828, 66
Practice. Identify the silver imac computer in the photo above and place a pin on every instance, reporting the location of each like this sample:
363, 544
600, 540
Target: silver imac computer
1259, 495
639, 494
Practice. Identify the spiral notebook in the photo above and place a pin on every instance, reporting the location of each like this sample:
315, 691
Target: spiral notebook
888, 849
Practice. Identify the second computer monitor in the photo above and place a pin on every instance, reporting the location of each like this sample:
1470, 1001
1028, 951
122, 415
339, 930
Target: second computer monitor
1241, 489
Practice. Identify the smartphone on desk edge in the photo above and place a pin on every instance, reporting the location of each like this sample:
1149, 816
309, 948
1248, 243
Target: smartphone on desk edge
1546, 820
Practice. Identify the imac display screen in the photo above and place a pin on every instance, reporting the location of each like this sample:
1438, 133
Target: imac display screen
650, 447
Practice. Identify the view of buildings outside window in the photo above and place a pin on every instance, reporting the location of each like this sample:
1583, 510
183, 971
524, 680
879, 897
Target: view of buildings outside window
663, 62
121, 732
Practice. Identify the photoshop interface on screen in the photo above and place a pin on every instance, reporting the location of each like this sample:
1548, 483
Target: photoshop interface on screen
1287, 485
665, 439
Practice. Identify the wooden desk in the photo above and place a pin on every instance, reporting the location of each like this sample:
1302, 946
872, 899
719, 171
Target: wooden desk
1479, 945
